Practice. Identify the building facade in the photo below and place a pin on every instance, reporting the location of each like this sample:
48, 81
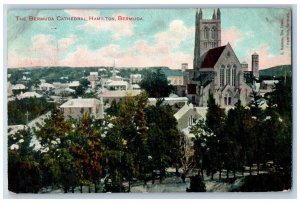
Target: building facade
75, 108
216, 69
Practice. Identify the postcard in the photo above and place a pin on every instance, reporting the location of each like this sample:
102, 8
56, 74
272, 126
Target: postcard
179, 100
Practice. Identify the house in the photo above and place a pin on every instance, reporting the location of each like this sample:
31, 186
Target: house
74, 84
135, 78
175, 80
267, 86
75, 108
117, 95
28, 95
188, 115
46, 86
18, 87
9, 89
93, 77
117, 85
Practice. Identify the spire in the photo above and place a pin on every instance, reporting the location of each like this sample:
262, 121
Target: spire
214, 15
218, 14
200, 14
197, 14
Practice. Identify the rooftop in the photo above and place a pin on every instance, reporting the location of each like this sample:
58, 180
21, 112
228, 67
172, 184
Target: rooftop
212, 56
80, 103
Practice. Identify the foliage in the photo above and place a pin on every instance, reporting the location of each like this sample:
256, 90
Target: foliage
266, 183
24, 170
156, 84
18, 109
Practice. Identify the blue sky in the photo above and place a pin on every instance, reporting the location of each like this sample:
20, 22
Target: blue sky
164, 37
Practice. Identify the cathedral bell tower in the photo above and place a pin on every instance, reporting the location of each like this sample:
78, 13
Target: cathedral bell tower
207, 34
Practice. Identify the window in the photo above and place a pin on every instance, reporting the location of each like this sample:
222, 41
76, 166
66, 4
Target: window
190, 120
222, 70
229, 100
233, 80
206, 33
228, 74
225, 100
90, 110
213, 33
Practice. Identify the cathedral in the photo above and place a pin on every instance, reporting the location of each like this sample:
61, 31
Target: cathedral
216, 69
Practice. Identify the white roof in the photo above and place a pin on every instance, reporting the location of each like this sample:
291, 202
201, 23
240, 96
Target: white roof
44, 84
28, 95
80, 103
117, 83
200, 110
94, 73
182, 111
135, 86
74, 84
18, 87
270, 82
135, 75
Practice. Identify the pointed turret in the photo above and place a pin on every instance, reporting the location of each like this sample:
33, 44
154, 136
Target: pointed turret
200, 14
214, 15
218, 14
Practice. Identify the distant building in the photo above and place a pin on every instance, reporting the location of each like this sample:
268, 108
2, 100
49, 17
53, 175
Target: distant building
135, 78
18, 87
28, 95
188, 115
75, 108
117, 85
267, 86
74, 84
46, 86
175, 80
93, 78
135, 87
9, 89
117, 95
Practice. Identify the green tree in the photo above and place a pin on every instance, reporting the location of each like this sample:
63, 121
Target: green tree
24, 169
156, 84
215, 120
281, 97
55, 140
164, 139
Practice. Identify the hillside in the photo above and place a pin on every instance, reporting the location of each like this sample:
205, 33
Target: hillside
276, 72
63, 74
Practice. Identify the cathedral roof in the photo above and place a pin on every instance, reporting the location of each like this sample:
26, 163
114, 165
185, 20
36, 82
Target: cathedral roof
212, 57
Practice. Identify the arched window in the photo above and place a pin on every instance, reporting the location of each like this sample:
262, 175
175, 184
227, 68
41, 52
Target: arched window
228, 75
233, 80
206, 33
214, 33
222, 75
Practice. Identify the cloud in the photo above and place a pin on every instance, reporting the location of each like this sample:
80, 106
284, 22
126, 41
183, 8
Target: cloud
45, 51
232, 35
163, 51
142, 54
64, 43
267, 60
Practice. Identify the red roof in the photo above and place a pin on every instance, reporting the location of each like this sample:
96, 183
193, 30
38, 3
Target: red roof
212, 57
191, 88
